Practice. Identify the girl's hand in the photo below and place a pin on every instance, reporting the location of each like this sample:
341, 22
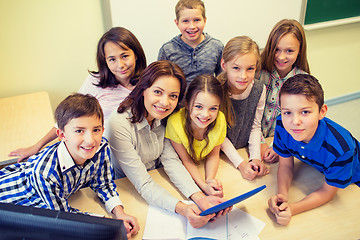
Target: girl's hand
249, 170
259, 167
24, 153
214, 187
270, 156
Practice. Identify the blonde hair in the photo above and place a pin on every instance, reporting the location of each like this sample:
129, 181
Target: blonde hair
236, 46
189, 4
280, 29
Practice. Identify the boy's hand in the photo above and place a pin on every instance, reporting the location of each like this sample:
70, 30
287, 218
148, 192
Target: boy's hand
283, 217
275, 202
131, 224
249, 170
279, 206
270, 156
214, 187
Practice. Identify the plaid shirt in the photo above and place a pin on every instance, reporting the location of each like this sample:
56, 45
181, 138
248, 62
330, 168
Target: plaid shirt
50, 177
273, 83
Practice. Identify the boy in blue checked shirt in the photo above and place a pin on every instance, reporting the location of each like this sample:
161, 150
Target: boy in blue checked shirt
303, 131
80, 159
194, 51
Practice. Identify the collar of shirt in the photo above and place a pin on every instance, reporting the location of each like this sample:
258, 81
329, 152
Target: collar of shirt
275, 74
66, 161
144, 123
293, 72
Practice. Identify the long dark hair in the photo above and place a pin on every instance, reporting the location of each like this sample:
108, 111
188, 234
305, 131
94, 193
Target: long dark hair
280, 29
126, 40
202, 83
135, 100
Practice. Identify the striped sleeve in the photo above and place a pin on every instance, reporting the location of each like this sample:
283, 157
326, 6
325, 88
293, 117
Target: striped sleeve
47, 184
103, 183
339, 173
278, 144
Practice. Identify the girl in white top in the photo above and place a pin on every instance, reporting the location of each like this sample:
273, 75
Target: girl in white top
136, 135
120, 60
239, 62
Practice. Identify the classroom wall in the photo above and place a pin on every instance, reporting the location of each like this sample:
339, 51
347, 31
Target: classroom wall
49, 45
224, 21
333, 55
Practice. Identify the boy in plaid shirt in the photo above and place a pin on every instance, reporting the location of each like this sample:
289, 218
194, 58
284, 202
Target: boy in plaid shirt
80, 159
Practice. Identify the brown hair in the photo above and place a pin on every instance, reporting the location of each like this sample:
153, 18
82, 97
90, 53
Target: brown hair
126, 40
202, 83
135, 100
280, 29
75, 106
304, 84
236, 46
189, 4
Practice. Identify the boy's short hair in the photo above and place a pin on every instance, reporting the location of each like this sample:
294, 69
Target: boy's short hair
304, 84
75, 106
189, 4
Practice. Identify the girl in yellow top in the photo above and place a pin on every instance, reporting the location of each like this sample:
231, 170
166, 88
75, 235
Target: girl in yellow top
198, 130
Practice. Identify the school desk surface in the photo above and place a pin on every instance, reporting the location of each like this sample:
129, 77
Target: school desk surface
338, 219
24, 120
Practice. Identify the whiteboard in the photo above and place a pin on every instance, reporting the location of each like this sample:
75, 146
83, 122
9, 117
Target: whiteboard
152, 21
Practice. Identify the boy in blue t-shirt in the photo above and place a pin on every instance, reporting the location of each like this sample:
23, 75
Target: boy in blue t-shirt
80, 159
194, 51
303, 131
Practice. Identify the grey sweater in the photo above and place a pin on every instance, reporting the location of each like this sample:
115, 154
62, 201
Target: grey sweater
244, 112
205, 58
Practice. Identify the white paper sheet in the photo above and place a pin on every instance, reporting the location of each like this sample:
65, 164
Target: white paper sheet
162, 224
242, 225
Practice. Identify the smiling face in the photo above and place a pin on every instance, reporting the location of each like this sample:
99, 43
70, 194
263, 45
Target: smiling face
191, 24
240, 72
121, 62
203, 110
82, 137
286, 54
301, 116
161, 98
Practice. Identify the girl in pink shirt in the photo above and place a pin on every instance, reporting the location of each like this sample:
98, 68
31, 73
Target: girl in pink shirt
120, 60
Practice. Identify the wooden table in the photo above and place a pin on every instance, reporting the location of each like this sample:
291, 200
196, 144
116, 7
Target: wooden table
24, 119
338, 219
